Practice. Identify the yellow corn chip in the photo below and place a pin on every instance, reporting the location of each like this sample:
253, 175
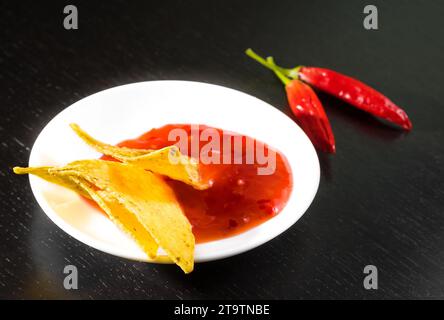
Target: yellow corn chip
104, 148
44, 173
167, 161
148, 197
115, 211
121, 217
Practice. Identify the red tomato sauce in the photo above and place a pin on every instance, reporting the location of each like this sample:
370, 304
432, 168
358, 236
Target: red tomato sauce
238, 200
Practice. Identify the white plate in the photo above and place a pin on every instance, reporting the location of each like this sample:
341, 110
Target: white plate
127, 111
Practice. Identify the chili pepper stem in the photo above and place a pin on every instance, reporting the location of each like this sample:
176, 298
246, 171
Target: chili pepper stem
281, 76
268, 65
290, 73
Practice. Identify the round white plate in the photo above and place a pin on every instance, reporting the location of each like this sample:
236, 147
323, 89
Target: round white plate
127, 111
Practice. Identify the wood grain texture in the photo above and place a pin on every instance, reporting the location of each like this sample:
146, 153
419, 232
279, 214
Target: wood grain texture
381, 198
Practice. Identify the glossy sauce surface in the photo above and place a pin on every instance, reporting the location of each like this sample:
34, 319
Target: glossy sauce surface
239, 198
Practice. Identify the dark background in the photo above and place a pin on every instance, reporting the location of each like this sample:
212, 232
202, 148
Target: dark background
381, 197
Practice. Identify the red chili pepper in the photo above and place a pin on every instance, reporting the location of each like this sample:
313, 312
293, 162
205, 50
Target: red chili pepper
307, 108
352, 91
310, 115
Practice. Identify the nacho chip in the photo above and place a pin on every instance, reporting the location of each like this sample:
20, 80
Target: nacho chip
117, 213
167, 161
148, 197
104, 148
123, 218
170, 162
134, 199
44, 173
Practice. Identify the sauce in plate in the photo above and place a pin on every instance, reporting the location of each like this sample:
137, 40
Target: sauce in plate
239, 198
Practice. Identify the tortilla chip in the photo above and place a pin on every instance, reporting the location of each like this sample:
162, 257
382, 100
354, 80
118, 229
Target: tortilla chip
104, 148
44, 173
117, 213
148, 197
167, 161
123, 218
170, 162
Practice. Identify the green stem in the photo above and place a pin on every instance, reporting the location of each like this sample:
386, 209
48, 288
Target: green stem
268, 65
291, 73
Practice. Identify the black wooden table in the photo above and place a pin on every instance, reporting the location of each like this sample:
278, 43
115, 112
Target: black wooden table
381, 197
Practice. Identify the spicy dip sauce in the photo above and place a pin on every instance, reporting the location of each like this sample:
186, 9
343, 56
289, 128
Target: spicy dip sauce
238, 199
